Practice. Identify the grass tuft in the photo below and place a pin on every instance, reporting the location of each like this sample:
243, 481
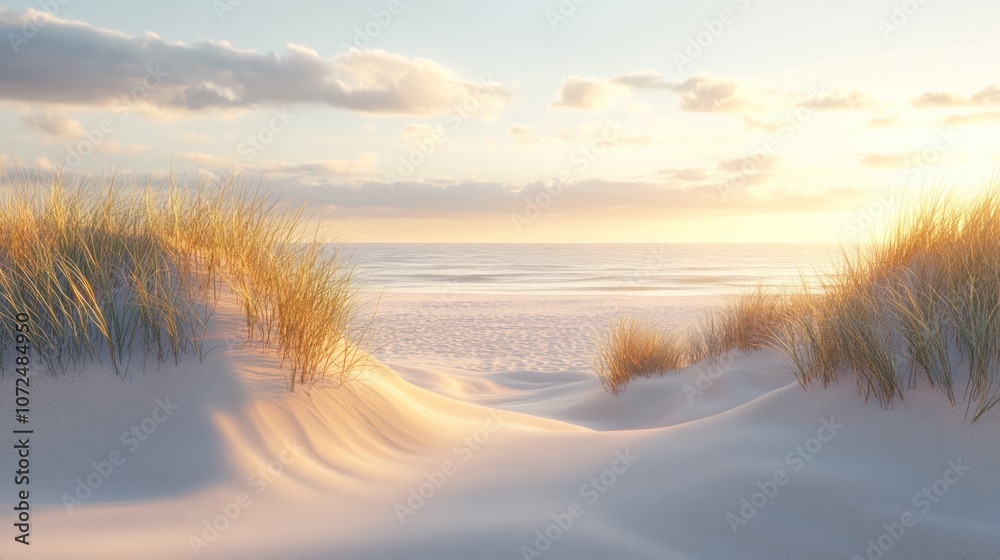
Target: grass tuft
923, 303
633, 348
125, 271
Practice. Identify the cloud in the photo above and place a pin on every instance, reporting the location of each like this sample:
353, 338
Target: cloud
43, 163
732, 173
54, 124
586, 94
364, 166
115, 147
310, 185
755, 162
643, 79
889, 120
754, 123
700, 93
989, 117
609, 132
524, 134
209, 160
722, 94
420, 131
842, 101
939, 100
712, 94
988, 96
891, 161
707, 93
688, 174
469, 197
75, 63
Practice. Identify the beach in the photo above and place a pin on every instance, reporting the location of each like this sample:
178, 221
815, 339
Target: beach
439, 280
480, 431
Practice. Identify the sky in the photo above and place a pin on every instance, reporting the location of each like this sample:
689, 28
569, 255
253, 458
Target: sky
518, 121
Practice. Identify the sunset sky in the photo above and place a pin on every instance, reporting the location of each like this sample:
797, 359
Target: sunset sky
522, 120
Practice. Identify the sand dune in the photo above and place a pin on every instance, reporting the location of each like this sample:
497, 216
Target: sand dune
525, 460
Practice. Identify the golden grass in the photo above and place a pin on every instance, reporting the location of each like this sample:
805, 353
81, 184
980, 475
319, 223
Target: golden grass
921, 304
633, 348
744, 322
125, 271
636, 347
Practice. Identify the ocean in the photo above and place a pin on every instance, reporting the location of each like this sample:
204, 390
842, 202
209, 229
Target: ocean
587, 269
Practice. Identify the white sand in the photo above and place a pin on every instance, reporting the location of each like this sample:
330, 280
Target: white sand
496, 482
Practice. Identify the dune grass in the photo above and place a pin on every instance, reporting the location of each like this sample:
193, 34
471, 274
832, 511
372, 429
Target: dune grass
744, 322
123, 272
922, 303
635, 347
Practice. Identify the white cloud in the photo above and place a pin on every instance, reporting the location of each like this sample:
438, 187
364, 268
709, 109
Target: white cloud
988, 96
524, 134
54, 124
586, 132
43, 163
75, 63
883, 121
888, 161
209, 160
986, 117
643, 79
842, 100
420, 131
114, 147
578, 134
364, 166
468, 197
713, 94
703, 93
587, 94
